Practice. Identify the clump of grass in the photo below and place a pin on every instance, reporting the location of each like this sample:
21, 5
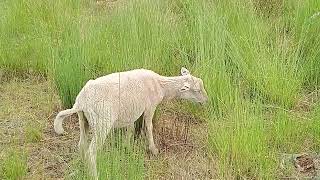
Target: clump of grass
241, 142
288, 132
33, 133
14, 166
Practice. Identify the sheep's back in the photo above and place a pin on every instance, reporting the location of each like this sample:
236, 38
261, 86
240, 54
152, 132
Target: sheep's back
125, 94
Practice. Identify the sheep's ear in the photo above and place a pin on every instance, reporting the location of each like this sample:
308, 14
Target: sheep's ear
185, 87
184, 71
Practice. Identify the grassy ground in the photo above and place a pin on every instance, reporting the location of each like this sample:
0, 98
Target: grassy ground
259, 61
30, 146
26, 106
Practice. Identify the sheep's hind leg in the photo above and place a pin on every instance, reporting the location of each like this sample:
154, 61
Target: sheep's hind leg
148, 115
95, 146
84, 133
101, 130
92, 158
101, 123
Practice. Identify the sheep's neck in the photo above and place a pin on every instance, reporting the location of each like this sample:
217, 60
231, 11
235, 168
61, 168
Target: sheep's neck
171, 86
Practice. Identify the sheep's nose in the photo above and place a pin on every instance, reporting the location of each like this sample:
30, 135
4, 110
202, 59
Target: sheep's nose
204, 102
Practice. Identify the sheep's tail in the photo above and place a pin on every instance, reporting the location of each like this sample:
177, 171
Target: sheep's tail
60, 117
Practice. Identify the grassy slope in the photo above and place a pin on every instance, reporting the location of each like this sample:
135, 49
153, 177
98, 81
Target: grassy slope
259, 61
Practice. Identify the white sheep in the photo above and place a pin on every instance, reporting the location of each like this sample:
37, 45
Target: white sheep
119, 99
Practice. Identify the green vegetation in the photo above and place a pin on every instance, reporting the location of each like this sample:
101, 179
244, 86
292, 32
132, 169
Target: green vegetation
33, 133
14, 166
259, 60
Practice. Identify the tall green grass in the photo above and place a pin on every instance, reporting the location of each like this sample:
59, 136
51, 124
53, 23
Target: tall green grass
257, 59
255, 71
96, 43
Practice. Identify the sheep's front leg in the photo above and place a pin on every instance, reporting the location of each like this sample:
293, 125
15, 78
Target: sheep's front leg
148, 115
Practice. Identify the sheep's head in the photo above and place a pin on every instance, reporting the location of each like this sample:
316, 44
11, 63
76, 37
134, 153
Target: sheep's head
192, 88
